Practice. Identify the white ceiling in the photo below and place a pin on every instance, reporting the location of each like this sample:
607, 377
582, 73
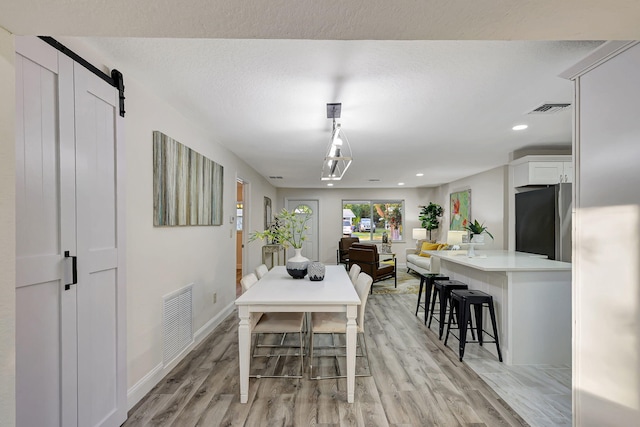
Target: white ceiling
259, 76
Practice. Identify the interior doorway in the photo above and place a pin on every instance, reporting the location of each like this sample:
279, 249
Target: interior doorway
240, 210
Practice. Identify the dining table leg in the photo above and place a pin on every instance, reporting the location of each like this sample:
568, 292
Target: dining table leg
352, 334
244, 349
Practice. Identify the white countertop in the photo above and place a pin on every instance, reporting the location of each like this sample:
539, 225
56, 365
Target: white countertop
500, 260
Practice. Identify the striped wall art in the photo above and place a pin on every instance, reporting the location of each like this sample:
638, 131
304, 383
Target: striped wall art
187, 187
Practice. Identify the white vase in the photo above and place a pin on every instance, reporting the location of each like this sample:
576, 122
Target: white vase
297, 265
477, 238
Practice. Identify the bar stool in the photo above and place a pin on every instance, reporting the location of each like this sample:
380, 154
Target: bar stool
464, 300
442, 289
427, 279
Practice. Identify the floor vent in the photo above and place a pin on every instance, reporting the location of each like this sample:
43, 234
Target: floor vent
549, 108
177, 322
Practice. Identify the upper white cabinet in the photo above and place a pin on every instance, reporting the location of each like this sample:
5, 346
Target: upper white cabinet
542, 170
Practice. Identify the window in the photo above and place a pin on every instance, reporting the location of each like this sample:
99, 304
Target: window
239, 212
371, 219
303, 209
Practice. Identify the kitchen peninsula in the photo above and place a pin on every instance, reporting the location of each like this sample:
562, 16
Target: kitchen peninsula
532, 296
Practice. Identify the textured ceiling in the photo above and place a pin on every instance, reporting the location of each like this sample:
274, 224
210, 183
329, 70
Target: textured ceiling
328, 19
443, 108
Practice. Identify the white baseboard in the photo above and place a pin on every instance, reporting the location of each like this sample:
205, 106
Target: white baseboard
208, 327
144, 386
155, 375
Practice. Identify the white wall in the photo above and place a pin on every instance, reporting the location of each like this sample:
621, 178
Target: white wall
257, 188
7, 230
330, 224
489, 204
160, 260
606, 291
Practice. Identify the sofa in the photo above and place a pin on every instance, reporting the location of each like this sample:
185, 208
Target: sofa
367, 257
421, 264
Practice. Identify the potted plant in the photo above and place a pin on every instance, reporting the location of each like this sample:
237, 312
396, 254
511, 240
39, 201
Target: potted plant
289, 229
429, 216
476, 230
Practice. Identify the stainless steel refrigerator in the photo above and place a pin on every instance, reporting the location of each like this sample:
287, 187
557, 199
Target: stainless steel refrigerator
543, 221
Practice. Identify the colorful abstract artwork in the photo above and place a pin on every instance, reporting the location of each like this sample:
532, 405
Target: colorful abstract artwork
187, 187
460, 208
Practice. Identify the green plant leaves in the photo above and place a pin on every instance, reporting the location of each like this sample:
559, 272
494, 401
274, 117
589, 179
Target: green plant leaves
429, 216
476, 228
288, 229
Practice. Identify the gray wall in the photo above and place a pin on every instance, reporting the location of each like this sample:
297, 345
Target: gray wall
606, 291
330, 205
488, 204
7, 229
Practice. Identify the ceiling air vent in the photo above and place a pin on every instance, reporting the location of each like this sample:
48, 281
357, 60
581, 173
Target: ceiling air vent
274, 177
374, 180
550, 108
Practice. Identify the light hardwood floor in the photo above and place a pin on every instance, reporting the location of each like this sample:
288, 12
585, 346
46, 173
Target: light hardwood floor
415, 381
541, 394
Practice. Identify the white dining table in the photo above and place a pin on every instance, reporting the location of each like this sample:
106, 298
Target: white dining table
279, 292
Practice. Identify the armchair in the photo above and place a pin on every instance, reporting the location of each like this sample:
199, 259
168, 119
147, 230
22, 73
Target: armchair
367, 257
343, 249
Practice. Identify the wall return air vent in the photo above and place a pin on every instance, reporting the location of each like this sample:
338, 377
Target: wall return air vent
550, 108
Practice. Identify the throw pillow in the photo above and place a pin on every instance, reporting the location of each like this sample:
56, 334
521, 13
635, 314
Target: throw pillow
426, 246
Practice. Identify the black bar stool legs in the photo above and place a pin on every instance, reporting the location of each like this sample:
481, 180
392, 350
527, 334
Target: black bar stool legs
464, 300
426, 281
423, 279
442, 289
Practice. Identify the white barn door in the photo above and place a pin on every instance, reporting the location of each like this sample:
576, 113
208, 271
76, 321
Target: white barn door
100, 225
46, 350
70, 338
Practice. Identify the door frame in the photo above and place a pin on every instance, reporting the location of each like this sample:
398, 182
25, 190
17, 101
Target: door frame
246, 220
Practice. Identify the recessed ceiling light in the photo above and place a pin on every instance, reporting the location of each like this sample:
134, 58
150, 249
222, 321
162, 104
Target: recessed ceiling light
401, 183
329, 185
519, 127
419, 174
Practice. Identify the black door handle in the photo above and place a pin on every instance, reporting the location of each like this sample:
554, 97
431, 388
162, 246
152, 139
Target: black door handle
74, 270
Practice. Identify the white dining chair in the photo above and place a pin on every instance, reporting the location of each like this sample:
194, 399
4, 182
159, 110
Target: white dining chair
275, 323
248, 281
336, 323
354, 271
261, 270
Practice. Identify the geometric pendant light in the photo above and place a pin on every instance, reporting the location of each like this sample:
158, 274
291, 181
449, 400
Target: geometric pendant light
338, 156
